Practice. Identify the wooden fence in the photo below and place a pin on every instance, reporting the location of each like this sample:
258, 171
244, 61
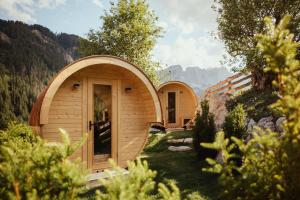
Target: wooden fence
230, 85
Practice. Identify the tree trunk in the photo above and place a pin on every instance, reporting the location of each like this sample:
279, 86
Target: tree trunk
262, 80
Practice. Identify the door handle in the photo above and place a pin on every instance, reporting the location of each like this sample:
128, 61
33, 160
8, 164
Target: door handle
90, 125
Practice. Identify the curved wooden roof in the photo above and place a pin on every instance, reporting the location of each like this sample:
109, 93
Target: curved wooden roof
190, 89
40, 110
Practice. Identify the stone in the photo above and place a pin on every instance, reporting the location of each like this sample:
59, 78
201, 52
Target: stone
154, 130
182, 140
266, 123
188, 140
250, 129
175, 141
251, 125
219, 158
248, 138
269, 125
179, 148
265, 119
279, 124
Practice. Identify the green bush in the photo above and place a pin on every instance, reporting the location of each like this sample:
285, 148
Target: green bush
271, 163
138, 184
204, 131
19, 133
235, 123
33, 169
257, 103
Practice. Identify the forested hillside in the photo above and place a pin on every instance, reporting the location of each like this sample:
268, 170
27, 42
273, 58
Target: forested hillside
29, 56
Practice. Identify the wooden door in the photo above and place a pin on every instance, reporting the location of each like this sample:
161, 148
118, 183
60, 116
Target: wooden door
102, 123
172, 111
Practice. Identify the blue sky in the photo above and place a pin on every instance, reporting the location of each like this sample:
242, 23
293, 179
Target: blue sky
188, 25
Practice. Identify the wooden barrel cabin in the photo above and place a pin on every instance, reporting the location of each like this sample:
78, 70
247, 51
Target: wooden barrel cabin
108, 98
179, 103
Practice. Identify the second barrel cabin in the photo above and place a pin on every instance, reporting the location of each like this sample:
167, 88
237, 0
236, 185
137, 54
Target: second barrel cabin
179, 103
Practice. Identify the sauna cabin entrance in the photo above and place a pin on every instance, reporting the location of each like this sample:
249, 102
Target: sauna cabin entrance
106, 97
101, 117
179, 103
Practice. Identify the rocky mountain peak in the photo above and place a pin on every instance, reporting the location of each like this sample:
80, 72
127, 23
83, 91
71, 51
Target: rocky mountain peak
198, 78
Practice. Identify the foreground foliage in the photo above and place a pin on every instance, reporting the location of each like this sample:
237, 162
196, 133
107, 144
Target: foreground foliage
129, 31
270, 167
138, 184
33, 169
30, 168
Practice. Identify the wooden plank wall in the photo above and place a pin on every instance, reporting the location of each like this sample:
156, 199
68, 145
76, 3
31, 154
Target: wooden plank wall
66, 113
186, 106
135, 111
230, 85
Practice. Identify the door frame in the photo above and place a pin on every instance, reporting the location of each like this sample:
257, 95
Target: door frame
176, 109
114, 122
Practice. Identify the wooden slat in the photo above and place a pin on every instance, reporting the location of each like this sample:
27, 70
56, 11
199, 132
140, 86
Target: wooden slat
224, 81
239, 88
227, 86
241, 80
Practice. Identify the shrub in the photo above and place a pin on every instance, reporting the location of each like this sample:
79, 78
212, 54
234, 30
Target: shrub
33, 169
235, 123
138, 184
258, 176
204, 131
271, 163
257, 103
18, 132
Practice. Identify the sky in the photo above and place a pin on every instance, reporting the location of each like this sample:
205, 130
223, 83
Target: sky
189, 25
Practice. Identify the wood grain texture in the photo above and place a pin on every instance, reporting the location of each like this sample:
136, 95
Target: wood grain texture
132, 112
230, 85
88, 62
186, 102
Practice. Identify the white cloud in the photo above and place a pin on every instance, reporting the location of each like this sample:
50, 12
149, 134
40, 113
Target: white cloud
187, 40
202, 51
24, 10
50, 3
163, 24
187, 15
98, 3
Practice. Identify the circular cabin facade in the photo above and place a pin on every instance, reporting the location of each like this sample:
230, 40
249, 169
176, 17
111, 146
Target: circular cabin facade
179, 103
108, 98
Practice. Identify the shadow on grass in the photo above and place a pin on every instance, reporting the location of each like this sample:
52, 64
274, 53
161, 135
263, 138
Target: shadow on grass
158, 142
182, 167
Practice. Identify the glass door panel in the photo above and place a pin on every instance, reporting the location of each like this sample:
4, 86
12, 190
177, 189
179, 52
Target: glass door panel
171, 107
102, 117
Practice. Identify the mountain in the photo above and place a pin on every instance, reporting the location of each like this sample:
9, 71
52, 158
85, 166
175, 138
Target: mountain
29, 56
199, 79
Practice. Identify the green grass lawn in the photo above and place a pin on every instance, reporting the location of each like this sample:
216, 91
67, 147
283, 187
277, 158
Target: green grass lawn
183, 167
